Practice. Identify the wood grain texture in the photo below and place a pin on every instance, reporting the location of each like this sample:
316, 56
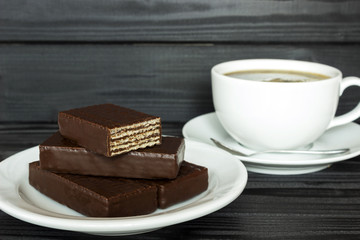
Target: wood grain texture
180, 21
168, 80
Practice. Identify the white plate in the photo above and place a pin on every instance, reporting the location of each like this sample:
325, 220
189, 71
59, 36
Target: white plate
207, 126
227, 179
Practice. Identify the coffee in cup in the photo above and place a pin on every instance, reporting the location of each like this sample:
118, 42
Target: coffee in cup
278, 104
272, 75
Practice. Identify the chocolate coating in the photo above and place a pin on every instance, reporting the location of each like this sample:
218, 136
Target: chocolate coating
95, 196
58, 154
115, 197
191, 181
91, 127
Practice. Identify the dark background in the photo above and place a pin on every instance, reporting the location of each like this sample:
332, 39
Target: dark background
155, 57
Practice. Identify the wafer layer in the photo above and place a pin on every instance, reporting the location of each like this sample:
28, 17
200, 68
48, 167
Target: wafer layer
110, 130
58, 154
95, 196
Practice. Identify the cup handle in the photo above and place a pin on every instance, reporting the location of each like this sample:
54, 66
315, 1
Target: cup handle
353, 114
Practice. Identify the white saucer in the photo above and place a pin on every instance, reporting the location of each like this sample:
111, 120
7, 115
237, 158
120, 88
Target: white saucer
227, 179
207, 126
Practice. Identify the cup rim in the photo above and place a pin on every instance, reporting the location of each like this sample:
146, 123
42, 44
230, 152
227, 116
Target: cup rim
300, 66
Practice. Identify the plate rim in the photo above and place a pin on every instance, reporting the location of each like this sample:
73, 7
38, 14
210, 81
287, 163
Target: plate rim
122, 226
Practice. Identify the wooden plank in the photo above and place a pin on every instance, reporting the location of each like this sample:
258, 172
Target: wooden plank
168, 80
180, 21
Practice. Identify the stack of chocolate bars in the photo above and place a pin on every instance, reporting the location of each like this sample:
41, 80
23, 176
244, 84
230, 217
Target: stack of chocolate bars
110, 161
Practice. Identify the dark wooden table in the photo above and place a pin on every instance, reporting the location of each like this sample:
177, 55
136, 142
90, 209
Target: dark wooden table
155, 57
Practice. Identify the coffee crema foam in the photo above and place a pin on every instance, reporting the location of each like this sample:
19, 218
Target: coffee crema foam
272, 75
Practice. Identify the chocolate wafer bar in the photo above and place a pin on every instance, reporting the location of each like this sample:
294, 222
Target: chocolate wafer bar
58, 154
191, 181
116, 197
95, 196
110, 130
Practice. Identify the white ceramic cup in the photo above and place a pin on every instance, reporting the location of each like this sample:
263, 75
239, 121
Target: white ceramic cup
279, 115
